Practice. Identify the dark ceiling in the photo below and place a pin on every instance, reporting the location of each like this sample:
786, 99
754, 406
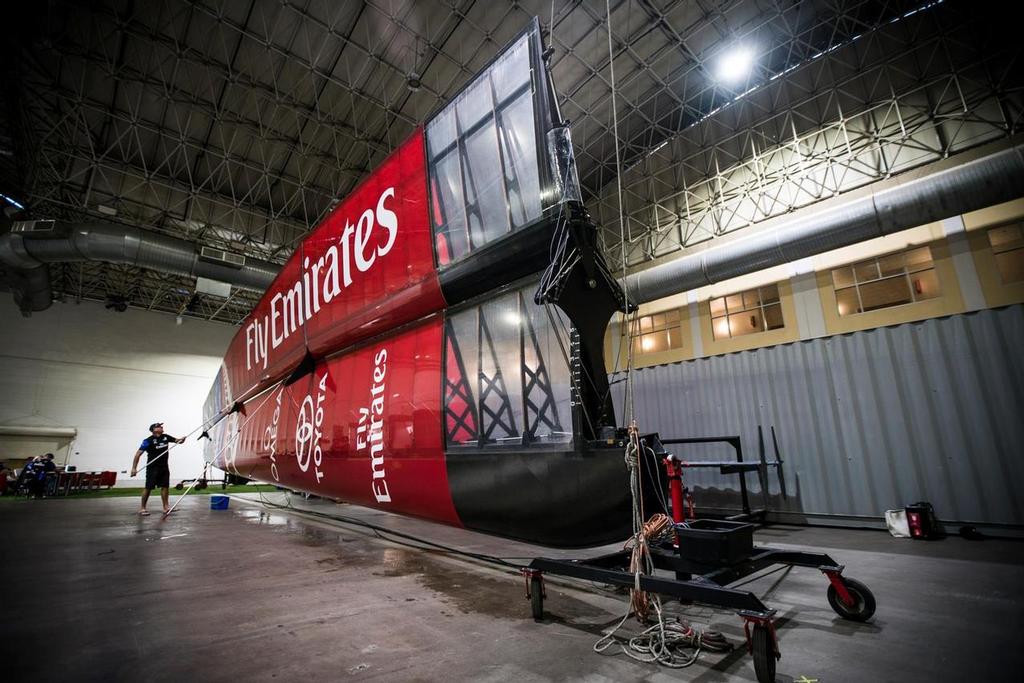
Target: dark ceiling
240, 124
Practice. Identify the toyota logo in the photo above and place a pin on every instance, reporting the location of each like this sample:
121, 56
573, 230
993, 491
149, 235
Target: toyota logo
304, 430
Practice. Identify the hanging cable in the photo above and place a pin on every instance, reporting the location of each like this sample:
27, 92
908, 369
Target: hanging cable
628, 399
663, 642
227, 445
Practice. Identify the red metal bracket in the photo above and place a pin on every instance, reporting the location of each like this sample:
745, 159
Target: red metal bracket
835, 577
675, 485
766, 619
528, 575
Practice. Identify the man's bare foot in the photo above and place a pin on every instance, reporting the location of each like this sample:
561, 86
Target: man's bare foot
143, 513
167, 511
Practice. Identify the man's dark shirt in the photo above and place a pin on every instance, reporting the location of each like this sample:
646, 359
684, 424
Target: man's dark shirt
45, 467
156, 447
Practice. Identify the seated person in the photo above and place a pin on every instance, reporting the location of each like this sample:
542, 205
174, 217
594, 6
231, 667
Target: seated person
25, 476
37, 480
6, 478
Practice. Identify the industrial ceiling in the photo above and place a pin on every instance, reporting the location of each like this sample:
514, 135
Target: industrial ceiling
240, 124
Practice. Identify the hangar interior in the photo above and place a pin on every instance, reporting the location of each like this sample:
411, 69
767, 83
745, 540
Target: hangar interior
450, 299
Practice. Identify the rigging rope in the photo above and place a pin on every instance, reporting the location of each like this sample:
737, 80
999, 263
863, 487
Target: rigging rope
269, 392
667, 643
202, 425
627, 315
663, 642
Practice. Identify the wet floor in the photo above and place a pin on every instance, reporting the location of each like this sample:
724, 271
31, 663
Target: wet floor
251, 593
465, 588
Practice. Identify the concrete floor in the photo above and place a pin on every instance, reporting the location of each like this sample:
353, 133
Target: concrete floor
94, 592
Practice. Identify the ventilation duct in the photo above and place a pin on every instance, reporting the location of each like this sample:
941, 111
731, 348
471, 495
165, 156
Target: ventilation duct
29, 246
973, 185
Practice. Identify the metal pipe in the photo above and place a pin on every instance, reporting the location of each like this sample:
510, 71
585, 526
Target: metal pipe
26, 258
973, 185
60, 432
28, 280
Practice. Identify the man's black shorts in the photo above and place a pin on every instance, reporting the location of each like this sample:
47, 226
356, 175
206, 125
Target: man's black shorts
158, 477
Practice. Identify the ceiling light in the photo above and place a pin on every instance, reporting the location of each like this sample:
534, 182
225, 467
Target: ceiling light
16, 204
413, 81
735, 65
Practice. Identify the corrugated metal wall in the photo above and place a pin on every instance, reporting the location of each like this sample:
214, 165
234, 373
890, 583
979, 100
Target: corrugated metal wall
866, 421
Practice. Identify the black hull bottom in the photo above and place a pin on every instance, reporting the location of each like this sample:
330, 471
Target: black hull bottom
559, 499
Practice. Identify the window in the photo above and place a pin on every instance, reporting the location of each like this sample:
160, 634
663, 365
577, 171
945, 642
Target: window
506, 374
658, 332
482, 158
755, 310
1007, 242
884, 281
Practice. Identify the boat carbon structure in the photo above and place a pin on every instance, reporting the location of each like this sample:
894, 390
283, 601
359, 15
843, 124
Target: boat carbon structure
435, 346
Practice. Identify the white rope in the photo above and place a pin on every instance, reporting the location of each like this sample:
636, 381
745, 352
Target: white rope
230, 441
667, 644
215, 419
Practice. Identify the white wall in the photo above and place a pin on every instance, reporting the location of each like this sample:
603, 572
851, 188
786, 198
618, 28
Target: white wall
109, 375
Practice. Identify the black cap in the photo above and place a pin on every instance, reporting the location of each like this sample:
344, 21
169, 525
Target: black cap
155, 425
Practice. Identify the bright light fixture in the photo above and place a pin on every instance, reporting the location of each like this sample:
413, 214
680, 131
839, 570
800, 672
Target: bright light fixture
647, 344
16, 204
735, 65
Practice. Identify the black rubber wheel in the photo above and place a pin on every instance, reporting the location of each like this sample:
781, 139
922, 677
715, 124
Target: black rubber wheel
863, 607
764, 653
537, 598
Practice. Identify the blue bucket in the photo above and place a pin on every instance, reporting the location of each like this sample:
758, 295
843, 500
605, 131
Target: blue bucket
219, 502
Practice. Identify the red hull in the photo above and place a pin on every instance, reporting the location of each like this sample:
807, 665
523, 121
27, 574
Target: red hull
364, 427
352, 375
365, 270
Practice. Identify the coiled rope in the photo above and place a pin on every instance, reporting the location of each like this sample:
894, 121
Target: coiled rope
673, 644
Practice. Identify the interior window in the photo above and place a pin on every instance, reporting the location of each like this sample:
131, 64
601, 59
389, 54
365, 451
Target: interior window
482, 158
755, 310
507, 378
1007, 242
884, 281
658, 332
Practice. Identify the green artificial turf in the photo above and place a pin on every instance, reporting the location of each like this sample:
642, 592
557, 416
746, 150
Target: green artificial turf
120, 492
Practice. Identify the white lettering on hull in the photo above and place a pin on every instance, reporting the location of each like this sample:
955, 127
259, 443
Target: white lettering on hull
321, 281
370, 432
308, 430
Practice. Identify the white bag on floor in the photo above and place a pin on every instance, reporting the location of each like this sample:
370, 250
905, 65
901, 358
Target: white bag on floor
896, 520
